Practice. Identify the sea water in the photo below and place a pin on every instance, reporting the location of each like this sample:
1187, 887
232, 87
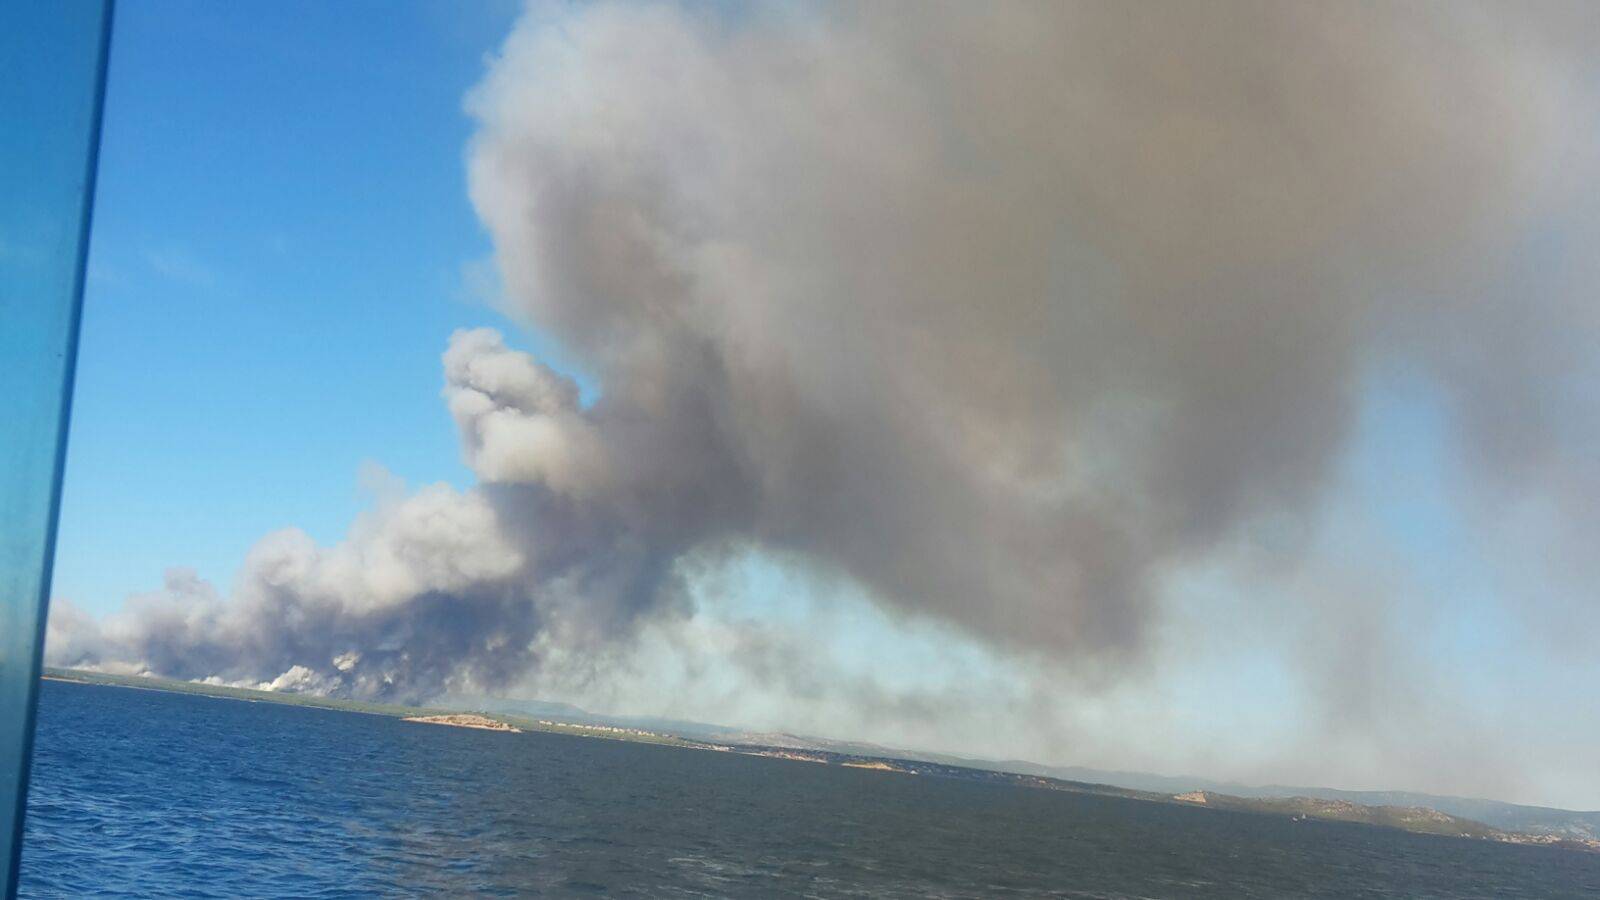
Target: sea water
147, 793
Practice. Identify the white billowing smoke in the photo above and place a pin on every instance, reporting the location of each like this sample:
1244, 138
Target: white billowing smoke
1003, 312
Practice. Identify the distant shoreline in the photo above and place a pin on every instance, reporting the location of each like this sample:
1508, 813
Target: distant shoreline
1416, 820
457, 720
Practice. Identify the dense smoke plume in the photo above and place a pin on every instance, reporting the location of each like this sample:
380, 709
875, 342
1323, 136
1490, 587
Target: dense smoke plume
1006, 313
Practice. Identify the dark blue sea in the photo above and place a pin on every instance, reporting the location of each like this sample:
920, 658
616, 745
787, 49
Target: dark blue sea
150, 794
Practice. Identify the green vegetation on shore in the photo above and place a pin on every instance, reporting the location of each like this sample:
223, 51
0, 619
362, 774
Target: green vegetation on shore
393, 710
1406, 818
152, 683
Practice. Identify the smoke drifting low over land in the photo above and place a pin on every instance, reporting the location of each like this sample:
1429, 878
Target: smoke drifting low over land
1006, 313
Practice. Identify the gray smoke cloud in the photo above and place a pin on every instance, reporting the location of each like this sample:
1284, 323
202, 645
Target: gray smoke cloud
1006, 313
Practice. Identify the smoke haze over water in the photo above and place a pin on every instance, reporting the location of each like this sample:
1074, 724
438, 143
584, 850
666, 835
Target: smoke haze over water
1051, 333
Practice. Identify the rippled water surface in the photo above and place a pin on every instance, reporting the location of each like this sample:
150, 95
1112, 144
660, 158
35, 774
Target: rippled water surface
153, 794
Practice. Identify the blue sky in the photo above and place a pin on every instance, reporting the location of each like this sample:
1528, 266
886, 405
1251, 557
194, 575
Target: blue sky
282, 244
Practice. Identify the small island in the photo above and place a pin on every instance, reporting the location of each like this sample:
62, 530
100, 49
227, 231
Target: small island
465, 720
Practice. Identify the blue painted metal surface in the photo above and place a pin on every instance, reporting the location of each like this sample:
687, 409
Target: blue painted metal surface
52, 83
